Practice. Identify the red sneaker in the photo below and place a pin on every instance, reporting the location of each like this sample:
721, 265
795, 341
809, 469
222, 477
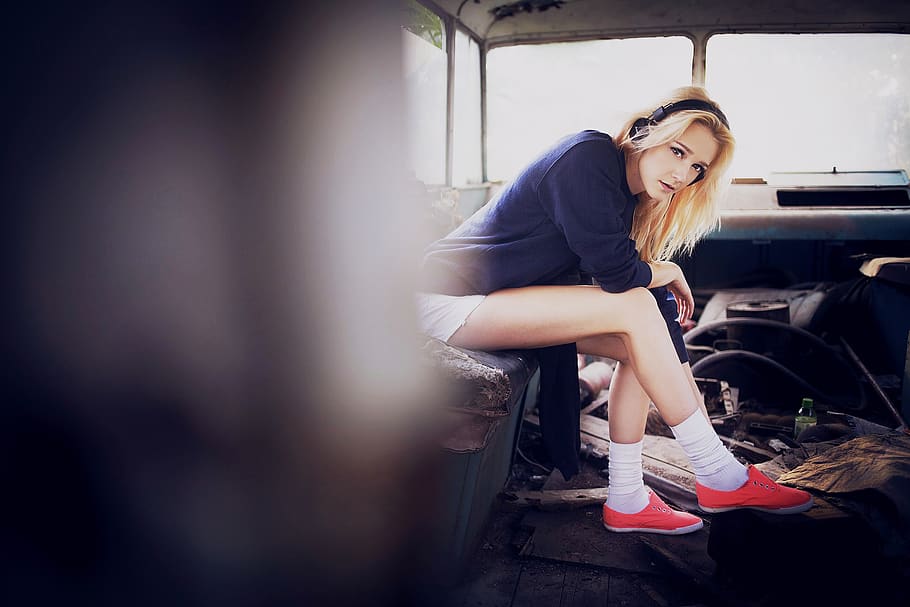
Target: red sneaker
758, 493
656, 517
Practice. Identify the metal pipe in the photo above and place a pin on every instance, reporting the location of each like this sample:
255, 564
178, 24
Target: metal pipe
449, 23
878, 389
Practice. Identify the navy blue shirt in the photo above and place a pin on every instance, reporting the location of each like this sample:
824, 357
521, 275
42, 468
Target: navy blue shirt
568, 213
570, 209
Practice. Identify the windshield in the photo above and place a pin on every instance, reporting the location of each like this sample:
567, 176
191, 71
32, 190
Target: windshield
539, 93
813, 102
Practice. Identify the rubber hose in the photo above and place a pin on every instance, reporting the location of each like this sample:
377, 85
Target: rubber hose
754, 322
775, 325
745, 355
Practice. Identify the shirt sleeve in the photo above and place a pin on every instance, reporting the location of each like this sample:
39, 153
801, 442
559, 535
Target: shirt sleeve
581, 194
667, 305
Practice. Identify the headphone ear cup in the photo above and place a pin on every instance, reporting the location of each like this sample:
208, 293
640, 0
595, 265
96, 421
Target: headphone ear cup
638, 127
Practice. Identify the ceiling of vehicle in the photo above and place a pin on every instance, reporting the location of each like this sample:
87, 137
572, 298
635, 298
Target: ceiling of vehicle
499, 22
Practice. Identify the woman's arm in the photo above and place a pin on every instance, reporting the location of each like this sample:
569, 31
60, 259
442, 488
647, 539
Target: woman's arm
667, 273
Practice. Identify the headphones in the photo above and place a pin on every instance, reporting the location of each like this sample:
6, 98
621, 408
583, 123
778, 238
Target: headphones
641, 126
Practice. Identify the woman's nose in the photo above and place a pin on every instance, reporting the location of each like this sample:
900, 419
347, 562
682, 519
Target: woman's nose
681, 171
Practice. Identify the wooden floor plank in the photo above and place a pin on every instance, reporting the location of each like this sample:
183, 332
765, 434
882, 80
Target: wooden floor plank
492, 576
578, 537
492, 587
625, 591
585, 587
540, 584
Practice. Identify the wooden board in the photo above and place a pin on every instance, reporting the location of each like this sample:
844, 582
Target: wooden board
578, 536
559, 499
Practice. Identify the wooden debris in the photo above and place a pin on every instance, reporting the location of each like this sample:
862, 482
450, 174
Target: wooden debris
557, 499
598, 401
747, 447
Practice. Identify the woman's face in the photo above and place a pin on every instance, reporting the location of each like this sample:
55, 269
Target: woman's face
671, 166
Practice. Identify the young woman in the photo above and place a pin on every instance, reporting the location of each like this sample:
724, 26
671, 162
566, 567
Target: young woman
614, 210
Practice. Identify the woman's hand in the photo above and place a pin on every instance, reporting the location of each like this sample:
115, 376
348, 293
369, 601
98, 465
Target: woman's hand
667, 273
685, 302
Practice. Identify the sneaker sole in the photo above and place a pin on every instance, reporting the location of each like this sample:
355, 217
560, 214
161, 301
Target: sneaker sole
677, 531
788, 510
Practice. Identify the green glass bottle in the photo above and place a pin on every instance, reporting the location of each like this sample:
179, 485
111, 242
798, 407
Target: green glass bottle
805, 417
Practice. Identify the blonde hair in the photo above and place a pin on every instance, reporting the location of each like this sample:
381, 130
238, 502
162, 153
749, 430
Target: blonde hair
661, 230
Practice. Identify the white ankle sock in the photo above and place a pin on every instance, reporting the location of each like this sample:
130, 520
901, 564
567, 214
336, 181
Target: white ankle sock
715, 467
626, 491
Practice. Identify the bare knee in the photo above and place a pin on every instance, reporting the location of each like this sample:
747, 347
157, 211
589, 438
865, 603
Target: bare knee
639, 308
640, 296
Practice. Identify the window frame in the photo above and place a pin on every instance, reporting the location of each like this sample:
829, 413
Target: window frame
699, 38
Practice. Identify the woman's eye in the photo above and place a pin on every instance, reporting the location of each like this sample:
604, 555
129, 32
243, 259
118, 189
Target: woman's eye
698, 168
676, 151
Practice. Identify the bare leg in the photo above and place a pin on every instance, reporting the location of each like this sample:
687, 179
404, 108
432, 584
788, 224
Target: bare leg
595, 320
627, 411
630, 505
627, 414
628, 403
544, 316
599, 322
627, 407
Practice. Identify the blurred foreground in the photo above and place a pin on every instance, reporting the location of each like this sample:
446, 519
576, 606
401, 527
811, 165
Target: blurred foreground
212, 392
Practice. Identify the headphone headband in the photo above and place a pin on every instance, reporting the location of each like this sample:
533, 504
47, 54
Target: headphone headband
687, 104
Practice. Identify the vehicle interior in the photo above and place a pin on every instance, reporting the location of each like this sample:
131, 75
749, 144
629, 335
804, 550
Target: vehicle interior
215, 388
800, 293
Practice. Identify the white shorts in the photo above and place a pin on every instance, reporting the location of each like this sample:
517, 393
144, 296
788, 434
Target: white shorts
440, 316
